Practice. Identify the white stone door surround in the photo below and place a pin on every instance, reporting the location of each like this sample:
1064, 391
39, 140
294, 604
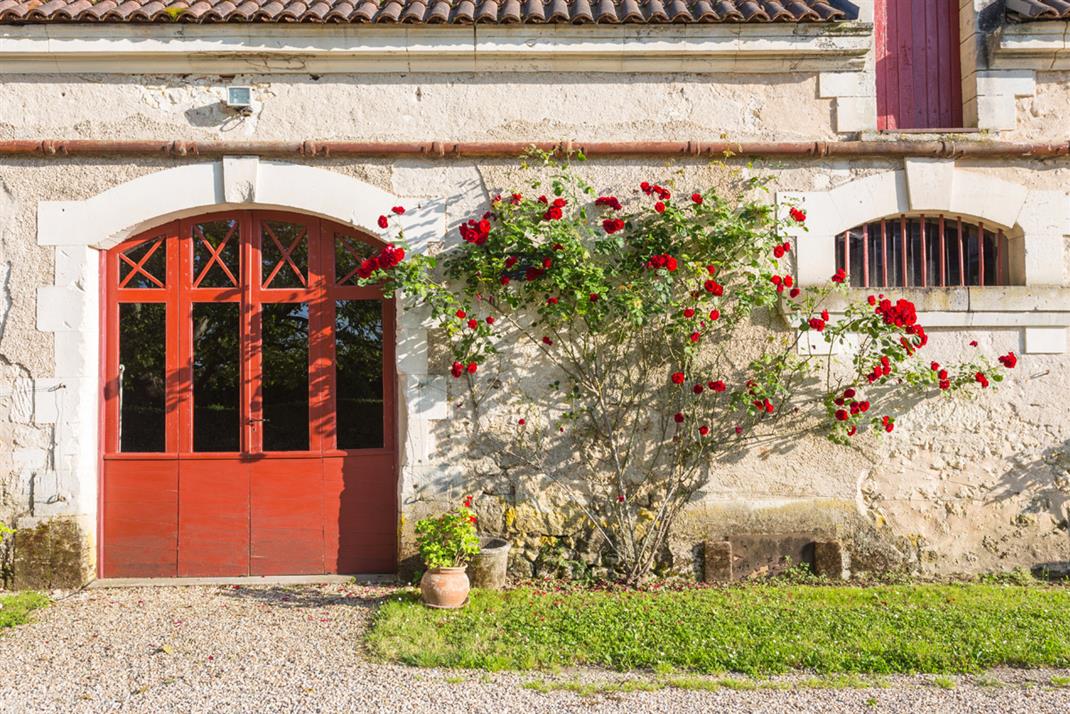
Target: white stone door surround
70, 308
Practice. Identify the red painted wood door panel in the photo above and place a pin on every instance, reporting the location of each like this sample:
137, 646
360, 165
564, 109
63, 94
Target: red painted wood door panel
248, 390
919, 77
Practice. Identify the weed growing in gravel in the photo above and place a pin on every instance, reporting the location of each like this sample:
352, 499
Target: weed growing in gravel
704, 684
15, 609
945, 682
1060, 681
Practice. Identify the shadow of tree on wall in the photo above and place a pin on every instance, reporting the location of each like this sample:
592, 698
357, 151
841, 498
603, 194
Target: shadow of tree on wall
1042, 482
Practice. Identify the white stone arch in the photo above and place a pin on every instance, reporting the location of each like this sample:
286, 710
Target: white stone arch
1039, 218
70, 308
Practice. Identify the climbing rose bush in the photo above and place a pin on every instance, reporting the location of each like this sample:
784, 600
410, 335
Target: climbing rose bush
637, 311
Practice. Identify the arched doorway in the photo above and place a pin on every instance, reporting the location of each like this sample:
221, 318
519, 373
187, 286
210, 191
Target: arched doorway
248, 388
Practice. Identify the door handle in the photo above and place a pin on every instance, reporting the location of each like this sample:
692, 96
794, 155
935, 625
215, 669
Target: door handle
257, 420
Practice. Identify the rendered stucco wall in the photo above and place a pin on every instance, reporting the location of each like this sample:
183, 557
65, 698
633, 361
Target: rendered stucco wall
966, 487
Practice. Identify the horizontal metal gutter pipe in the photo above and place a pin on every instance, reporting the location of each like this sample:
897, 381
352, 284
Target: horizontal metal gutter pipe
499, 149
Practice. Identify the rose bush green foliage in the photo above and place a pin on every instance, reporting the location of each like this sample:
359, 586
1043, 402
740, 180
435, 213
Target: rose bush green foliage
449, 540
5, 531
645, 314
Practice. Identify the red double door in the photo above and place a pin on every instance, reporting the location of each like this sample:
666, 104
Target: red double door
248, 388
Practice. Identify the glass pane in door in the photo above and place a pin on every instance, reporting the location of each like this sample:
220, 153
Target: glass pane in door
359, 365
284, 388
216, 374
142, 376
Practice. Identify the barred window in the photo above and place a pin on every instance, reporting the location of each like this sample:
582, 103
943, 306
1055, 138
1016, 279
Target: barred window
924, 252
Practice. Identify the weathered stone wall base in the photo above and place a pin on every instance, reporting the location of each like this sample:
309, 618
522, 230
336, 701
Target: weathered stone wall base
51, 555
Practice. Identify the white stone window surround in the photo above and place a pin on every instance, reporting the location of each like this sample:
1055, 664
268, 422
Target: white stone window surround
70, 309
1040, 219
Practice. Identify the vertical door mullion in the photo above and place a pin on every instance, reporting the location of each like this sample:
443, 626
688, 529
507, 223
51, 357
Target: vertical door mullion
321, 313
183, 335
172, 358
252, 337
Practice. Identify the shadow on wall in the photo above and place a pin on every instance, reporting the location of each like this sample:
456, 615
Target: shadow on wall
1043, 482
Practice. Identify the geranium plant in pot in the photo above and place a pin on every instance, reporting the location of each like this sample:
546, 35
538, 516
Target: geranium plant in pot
447, 542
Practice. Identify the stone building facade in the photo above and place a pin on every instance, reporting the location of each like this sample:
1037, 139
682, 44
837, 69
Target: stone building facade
114, 123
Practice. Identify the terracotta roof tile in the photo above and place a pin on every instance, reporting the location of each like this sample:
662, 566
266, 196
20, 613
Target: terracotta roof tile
1025, 10
576, 12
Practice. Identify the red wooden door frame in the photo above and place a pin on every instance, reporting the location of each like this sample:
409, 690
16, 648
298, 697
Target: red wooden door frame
179, 295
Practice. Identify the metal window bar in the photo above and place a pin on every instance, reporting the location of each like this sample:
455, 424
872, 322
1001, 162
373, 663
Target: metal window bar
917, 258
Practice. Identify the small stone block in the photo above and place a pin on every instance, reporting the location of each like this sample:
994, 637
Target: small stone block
718, 561
830, 560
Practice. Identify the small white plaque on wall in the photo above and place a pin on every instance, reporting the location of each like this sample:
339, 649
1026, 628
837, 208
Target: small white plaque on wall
1045, 340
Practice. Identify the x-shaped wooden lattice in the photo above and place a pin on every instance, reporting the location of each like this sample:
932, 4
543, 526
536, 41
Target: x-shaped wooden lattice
215, 255
286, 253
138, 268
356, 256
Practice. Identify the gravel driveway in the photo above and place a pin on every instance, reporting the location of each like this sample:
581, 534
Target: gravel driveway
289, 649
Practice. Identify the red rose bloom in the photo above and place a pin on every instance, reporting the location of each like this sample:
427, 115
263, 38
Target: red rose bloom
504, 280
401, 209
472, 367
695, 336
659, 207
817, 323
551, 301
840, 276
841, 415
1009, 360
490, 319
704, 430
612, 225
473, 323
457, 369
593, 297
689, 312
696, 198
698, 389
383, 222
610, 201
461, 314
678, 418
797, 215
717, 386
715, 315
546, 340
521, 422
678, 377
794, 293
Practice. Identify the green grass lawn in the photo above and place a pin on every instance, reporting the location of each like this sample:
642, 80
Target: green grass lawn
757, 630
16, 608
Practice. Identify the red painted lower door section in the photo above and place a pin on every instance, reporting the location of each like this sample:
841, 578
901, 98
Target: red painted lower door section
229, 518
248, 386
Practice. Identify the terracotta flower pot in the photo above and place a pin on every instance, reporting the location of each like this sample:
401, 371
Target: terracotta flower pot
445, 588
